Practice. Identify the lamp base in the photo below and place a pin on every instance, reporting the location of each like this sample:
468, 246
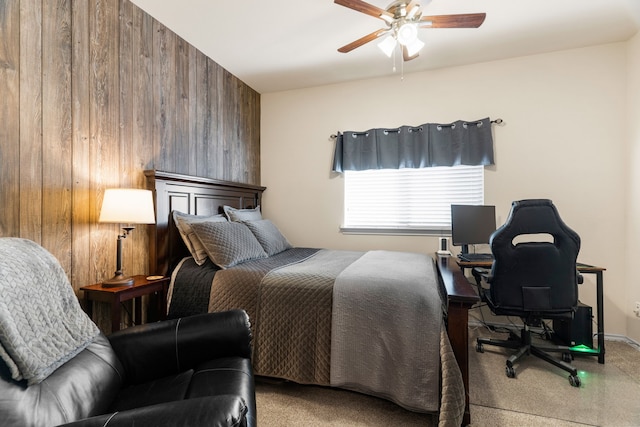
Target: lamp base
118, 280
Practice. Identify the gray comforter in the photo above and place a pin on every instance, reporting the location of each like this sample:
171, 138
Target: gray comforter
386, 305
315, 321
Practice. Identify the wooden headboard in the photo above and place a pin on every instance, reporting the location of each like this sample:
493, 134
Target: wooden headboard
192, 195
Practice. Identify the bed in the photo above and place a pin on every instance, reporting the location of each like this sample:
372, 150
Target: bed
313, 316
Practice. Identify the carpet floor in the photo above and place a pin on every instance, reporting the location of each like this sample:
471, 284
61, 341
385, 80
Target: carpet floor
540, 395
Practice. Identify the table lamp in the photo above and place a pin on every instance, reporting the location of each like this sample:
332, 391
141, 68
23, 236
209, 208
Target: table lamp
125, 206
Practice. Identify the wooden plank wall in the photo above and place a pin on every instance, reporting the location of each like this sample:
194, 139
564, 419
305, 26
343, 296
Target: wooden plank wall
93, 92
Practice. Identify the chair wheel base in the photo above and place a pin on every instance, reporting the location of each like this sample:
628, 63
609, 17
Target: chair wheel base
511, 373
574, 380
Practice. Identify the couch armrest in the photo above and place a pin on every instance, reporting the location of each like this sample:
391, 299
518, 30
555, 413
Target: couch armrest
225, 410
156, 350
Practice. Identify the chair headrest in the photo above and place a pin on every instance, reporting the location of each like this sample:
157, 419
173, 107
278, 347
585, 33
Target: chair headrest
534, 216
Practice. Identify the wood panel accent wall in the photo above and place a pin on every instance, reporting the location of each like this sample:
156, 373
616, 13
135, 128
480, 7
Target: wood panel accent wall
92, 93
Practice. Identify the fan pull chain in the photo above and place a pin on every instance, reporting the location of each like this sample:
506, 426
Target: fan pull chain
394, 59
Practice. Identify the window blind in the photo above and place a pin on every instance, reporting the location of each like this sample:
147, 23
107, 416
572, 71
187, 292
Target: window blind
409, 199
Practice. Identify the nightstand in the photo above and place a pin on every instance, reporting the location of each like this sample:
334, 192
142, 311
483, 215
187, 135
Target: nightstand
116, 295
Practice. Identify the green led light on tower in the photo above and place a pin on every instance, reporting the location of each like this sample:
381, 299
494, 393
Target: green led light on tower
583, 349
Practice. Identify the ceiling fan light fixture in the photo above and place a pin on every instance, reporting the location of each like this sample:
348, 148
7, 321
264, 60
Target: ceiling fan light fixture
387, 45
414, 47
407, 34
404, 19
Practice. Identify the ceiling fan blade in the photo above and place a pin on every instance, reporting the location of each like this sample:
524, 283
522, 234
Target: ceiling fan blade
464, 20
362, 40
405, 54
364, 7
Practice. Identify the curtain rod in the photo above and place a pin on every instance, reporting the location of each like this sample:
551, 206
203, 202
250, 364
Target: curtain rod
497, 121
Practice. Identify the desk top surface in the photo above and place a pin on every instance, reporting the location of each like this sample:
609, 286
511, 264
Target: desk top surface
140, 281
582, 267
459, 289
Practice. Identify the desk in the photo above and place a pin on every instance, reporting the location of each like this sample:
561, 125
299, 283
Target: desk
461, 296
582, 269
116, 295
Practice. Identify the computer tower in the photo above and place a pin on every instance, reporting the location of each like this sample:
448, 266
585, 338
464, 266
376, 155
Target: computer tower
576, 331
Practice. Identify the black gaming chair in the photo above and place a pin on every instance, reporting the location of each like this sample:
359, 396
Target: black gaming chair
534, 280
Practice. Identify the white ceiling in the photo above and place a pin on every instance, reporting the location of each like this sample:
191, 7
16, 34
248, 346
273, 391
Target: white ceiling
275, 45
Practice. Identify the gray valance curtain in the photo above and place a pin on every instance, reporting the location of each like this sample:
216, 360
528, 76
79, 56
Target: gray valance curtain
427, 145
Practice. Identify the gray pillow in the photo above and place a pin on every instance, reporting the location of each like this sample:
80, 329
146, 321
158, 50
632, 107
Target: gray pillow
271, 239
242, 214
183, 223
228, 243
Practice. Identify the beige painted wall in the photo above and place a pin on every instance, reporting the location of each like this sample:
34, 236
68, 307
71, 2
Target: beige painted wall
632, 250
564, 138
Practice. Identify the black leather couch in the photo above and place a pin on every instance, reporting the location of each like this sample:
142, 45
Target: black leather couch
194, 371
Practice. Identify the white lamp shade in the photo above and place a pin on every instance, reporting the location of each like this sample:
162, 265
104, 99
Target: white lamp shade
387, 45
414, 47
127, 206
407, 34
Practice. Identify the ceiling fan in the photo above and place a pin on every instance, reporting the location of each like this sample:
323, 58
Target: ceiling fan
403, 19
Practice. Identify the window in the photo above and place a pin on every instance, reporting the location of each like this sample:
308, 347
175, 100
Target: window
409, 200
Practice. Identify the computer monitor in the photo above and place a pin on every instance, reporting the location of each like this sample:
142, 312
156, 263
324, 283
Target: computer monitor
472, 225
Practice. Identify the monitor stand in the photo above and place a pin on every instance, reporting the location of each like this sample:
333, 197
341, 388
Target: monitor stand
464, 249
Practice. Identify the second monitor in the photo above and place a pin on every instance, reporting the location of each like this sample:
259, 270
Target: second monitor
472, 225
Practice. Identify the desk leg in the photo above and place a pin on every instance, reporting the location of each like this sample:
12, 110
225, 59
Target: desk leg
137, 307
160, 306
600, 313
163, 301
115, 315
88, 305
458, 331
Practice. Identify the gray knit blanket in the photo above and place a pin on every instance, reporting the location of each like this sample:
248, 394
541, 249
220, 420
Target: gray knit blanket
42, 325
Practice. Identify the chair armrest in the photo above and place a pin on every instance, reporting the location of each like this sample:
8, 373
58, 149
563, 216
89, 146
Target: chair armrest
223, 410
480, 273
155, 350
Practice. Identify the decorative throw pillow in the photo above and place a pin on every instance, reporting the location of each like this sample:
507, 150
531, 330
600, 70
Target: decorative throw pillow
183, 223
240, 215
271, 239
228, 243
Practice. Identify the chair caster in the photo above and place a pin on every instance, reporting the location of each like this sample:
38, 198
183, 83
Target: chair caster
511, 373
479, 347
567, 357
574, 380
